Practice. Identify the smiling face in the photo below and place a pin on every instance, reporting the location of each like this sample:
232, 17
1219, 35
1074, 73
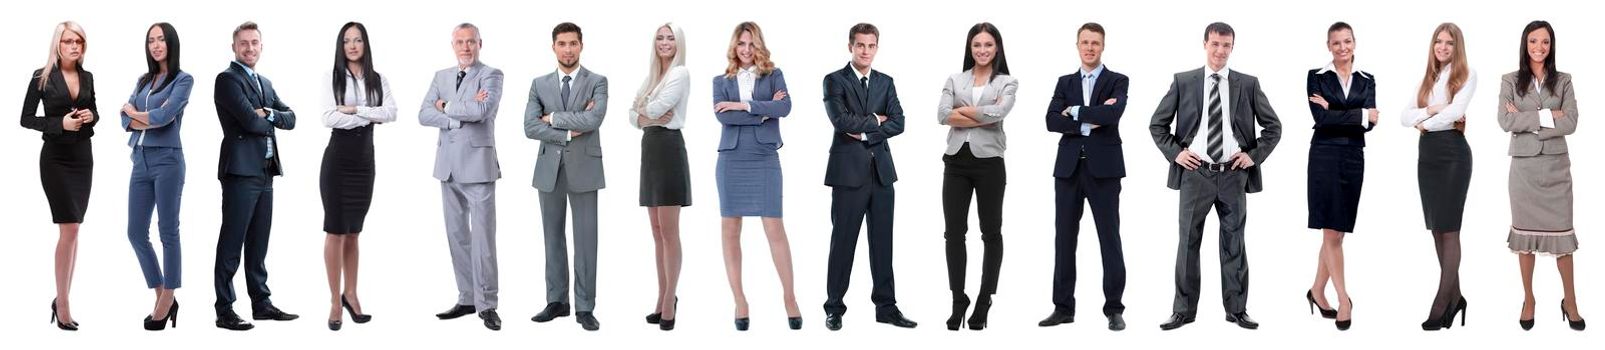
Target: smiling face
567, 46
1538, 44
983, 47
351, 42
248, 47
864, 47
1219, 49
71, 48
664, 42
1089, 45
156, 45
1443, 47
1341, 43
465, 44
745, 52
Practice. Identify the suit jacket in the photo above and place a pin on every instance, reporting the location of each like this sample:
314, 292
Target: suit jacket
1184, 104
165, 109
246, 135
1343, 122
1105, 157
765, 111
466, 149
1526, 137
997, 99
852, 108
580, 157
57, 102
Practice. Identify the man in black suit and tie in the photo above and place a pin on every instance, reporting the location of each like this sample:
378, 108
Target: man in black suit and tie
1086, 109
1218, 109
862, 105
249, 111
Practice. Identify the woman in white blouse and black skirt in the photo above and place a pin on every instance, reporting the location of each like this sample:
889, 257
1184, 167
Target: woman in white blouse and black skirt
357, 100
1444, 168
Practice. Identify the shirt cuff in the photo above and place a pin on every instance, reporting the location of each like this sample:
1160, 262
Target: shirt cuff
863, 137
1075, 112
454, 124
271, 116
1086, 129
568, 136
1546, 118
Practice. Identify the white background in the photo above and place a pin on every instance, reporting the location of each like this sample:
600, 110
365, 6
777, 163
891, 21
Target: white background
406, 272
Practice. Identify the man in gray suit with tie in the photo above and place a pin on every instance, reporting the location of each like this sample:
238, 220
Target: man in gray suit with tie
565, 112
1215, 162
462, 103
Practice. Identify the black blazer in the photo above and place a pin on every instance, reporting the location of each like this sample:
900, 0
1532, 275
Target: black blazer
1344, 122
852, 109
57, 101
1184, 104
245, 135
1105, 158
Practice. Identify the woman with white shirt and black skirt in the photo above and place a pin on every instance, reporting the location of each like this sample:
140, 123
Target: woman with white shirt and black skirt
659, 111
1444, 167
358, 98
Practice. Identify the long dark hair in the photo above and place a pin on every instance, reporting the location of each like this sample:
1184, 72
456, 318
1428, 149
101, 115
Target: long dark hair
170, 36
1524, 76
1000, 65
375, 86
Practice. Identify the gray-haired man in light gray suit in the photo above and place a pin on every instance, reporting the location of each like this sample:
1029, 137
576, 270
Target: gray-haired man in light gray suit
462, 103
565, 111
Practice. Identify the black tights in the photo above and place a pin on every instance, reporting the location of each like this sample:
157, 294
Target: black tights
1448, 246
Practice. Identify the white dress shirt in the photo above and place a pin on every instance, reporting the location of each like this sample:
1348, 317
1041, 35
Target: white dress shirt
1200, 144
1089, 79
1452, 111
670, 95
356, 95
863, 80
1546, 117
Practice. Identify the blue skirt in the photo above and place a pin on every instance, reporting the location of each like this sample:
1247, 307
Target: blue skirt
749, 178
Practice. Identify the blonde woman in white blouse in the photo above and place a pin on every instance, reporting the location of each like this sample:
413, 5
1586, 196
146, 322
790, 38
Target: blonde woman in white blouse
659, 111
355, 99
1444, 168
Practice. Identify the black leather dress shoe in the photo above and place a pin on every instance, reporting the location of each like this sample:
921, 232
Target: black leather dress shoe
588, 321
456, 311
233, 322
1117, 322
271, 313
551, 312
895, 318
1242, 320
1057, 318
1176, 321
833, 322
492, 320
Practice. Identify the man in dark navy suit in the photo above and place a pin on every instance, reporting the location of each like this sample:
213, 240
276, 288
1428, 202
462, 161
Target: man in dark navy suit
248, 110
1086, 109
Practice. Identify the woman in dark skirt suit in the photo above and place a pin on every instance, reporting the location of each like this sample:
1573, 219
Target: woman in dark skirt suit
659, 111
1344, 103
358, 99
1443, 170
1538, 108
65, 161
749, 99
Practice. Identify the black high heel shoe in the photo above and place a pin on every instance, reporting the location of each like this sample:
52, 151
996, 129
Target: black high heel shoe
334, 325
742, 323
1579, 324
54, 319
982, 306
1449, 314
355, 317
1527, 324
961, 303
1343, 325
794, 322
655, 317
1325, 313
152, 324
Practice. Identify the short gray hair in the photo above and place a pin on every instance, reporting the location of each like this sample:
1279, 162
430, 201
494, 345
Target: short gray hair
467, 25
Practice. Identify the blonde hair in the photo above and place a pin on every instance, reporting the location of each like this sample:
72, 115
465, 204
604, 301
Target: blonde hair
54, 57
655, 77
760, 52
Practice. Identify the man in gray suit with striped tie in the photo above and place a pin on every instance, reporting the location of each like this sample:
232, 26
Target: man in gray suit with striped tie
1217, 171
565, 113
462, 102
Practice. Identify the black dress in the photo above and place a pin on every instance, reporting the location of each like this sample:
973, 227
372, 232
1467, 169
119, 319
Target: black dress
65, 160
1337, 147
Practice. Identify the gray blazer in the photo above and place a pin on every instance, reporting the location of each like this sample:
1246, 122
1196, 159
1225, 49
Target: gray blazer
1526, 138
466, 151
581, 157
997, 98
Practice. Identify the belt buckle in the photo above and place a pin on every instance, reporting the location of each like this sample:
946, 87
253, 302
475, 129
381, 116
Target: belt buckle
1216, 167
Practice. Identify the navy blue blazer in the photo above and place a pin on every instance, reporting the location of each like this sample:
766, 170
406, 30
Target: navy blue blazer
763, 105
1343, 122
245, 135
852, 108
1105, 159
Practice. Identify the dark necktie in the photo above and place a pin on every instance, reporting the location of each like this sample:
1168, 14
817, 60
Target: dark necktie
1216, 135
460, 75
864, 81
565, 92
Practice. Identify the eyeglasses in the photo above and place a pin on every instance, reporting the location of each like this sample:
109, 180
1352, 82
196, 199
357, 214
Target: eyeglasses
75, 42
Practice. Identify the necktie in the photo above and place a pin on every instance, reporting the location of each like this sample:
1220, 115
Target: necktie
262, 96
1216, 135
460, 75
865, 81
565, 92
